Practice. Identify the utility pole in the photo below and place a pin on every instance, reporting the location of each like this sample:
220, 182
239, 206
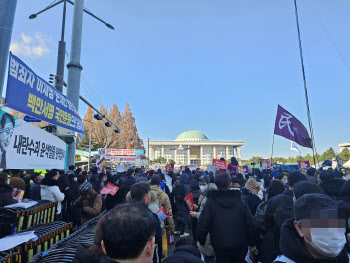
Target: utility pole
59, 79
90, 145
7, 17
148, 153
74, 67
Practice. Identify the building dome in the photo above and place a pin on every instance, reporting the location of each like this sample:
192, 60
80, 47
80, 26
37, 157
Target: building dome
192, 135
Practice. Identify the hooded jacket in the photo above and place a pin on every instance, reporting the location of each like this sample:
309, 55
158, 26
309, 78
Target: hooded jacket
82, 255
332, 187
182, 214
251, 199
228, 220
186, 254
294, 251
208, 249
6, 192
276, 187
163, 200
50, 191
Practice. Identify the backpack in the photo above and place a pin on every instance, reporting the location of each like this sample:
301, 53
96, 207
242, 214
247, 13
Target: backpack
259, 216
283, 212
179, 192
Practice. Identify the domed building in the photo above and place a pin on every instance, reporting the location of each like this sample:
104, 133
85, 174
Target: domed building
194, 148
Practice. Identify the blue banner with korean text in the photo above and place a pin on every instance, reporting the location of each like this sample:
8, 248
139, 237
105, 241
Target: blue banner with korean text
30, 94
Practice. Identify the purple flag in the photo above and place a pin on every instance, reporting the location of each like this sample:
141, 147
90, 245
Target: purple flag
287, 126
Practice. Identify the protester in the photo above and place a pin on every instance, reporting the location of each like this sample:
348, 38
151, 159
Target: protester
128, 233
6, 192
325, 175
205, 187
35, 188
305, 187
185, 251
129, 181
314, 234
7, 125
15, 179
89, 201
312, 175
343, 205
278, 210
250, 194
163, 200
50, 190
332, 187
229, 222
141, 192
93, 179
181, 190
277, 186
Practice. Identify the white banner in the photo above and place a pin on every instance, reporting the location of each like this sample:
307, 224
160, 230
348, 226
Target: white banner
25, 146
122, 159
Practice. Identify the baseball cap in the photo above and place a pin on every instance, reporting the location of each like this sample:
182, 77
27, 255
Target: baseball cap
204, 178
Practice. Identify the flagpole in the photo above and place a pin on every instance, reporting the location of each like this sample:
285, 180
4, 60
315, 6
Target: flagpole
273, 141
305, 87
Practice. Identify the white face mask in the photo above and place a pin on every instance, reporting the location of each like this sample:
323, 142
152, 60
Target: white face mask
328, 241
285, 181
203, 188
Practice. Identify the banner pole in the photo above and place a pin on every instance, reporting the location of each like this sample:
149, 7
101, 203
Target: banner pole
273, 142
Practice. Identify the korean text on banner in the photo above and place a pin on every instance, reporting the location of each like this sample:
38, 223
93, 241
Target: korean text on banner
304, 164
119, 159
219, 164
105, 151
265, 163
189, 201
32, 95
34, 147
109, 189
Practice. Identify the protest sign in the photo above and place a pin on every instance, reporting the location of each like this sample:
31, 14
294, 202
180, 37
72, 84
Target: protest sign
105, 151
32, 95
171, 239
242, 169
109, 189
219, 164
265, 163
162, 215
120, 169
211, 168
304, 164
25, 146
169, 167
189, 201
101, 163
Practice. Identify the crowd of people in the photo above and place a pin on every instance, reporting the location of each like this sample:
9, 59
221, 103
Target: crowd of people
264, 216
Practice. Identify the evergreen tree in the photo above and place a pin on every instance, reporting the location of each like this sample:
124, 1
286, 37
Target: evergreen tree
328, 154
345, 155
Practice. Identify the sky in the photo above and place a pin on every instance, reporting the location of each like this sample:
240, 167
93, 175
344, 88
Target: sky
220, 67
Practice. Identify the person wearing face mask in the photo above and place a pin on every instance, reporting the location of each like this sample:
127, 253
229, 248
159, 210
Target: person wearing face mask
205, 186
315, 234
7, 125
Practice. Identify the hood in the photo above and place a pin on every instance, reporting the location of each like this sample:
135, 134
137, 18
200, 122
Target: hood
194, 184
154, 198
6, 188
156, 189
225, 198
184, 179
246, 191
211, 187
48, 182
188, 249
293, 246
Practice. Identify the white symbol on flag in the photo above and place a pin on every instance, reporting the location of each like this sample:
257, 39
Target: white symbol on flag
293, 147
284, 121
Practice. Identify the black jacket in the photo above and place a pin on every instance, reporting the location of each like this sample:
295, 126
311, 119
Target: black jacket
274, 203
129, 181
186, 254
194, 185
251, 199
228, 220
344, 212
182, 211
332, 187
35, 191
6, 192
275, 188
82, 255
293, 247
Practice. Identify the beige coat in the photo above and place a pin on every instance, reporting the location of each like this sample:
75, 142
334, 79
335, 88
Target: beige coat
163, 200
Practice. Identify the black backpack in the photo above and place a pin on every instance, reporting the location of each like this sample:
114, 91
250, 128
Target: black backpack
259, 216
180, 192
283, 213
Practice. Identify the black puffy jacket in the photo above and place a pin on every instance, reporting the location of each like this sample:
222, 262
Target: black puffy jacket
82, 255
228, 220
6, 192
186, 254
276, 187
293, 248
194, 186
129, 181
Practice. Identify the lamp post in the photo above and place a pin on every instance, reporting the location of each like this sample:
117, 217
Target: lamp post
90, 131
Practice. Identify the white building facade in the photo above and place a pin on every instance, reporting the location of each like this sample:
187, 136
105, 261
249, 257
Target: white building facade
194, 148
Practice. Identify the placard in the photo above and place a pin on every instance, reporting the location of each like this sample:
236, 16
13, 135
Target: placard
242, 169
265, 163
169, 167
105, 151
219, 164
120, 169
189, 201
304, 164
32, 95
25, 146
122, 159
109, 189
